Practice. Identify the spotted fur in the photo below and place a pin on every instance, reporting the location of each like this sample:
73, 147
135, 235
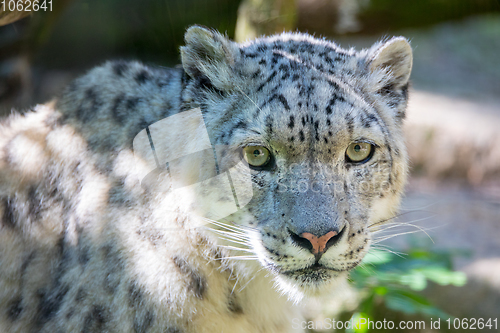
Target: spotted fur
85, 248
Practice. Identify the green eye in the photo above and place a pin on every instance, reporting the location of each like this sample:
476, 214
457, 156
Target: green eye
256, 155
359, 152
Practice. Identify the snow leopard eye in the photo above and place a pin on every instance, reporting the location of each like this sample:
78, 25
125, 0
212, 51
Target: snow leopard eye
359, 152
257, 156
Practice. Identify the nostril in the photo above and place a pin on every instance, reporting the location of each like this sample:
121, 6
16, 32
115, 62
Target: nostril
301, 242
333, 240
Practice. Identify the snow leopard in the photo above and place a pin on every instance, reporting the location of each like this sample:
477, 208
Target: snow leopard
315, 129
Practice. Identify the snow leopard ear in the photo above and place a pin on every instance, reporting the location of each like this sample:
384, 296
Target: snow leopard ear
395, 57
210, 56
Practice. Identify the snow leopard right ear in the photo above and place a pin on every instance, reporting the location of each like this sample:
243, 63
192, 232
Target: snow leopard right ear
209, 55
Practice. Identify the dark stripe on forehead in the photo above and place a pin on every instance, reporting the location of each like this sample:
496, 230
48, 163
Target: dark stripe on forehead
316, 130
283, 101
269, 124
335, 98
368, 120
350, 123
240, 124
269, 79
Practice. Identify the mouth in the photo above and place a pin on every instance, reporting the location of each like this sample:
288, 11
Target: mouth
315, 273
317, 269
312, 269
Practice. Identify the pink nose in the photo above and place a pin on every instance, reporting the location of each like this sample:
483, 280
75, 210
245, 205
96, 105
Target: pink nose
318, 243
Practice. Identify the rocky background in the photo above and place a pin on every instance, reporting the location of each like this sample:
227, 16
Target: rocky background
453, 125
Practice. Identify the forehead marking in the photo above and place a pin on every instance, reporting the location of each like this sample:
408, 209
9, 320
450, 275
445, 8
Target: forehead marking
341, 84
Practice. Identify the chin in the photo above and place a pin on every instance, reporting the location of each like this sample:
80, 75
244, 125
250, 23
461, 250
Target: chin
309, 282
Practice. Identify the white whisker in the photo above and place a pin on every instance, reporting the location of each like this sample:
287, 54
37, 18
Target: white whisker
251, 100
384, 238
239, 258
253, 277
386, 248
236, 242
234, 286
229, 235
229, 247
396, 225
229, 227
383, 222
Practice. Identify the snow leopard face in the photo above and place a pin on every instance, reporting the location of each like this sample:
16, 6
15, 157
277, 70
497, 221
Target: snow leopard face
320, 129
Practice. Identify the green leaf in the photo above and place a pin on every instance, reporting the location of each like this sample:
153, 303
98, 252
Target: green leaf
414, 279
413, 303
444, 276
356, 319
381, 290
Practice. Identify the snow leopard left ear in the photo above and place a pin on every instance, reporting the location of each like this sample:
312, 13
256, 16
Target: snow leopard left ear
393, 61
396, 57
209, 55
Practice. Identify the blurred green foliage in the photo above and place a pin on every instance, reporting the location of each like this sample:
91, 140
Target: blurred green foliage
386, 280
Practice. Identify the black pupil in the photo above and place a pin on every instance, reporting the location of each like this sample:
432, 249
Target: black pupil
357, 148
256, 152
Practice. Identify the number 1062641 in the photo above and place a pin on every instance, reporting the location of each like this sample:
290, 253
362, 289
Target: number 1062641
26, 5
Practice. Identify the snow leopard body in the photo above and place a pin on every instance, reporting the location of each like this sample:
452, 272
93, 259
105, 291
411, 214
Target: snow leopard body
85, 248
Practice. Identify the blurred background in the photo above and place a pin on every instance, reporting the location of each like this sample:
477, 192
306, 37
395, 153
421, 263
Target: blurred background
447, 260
